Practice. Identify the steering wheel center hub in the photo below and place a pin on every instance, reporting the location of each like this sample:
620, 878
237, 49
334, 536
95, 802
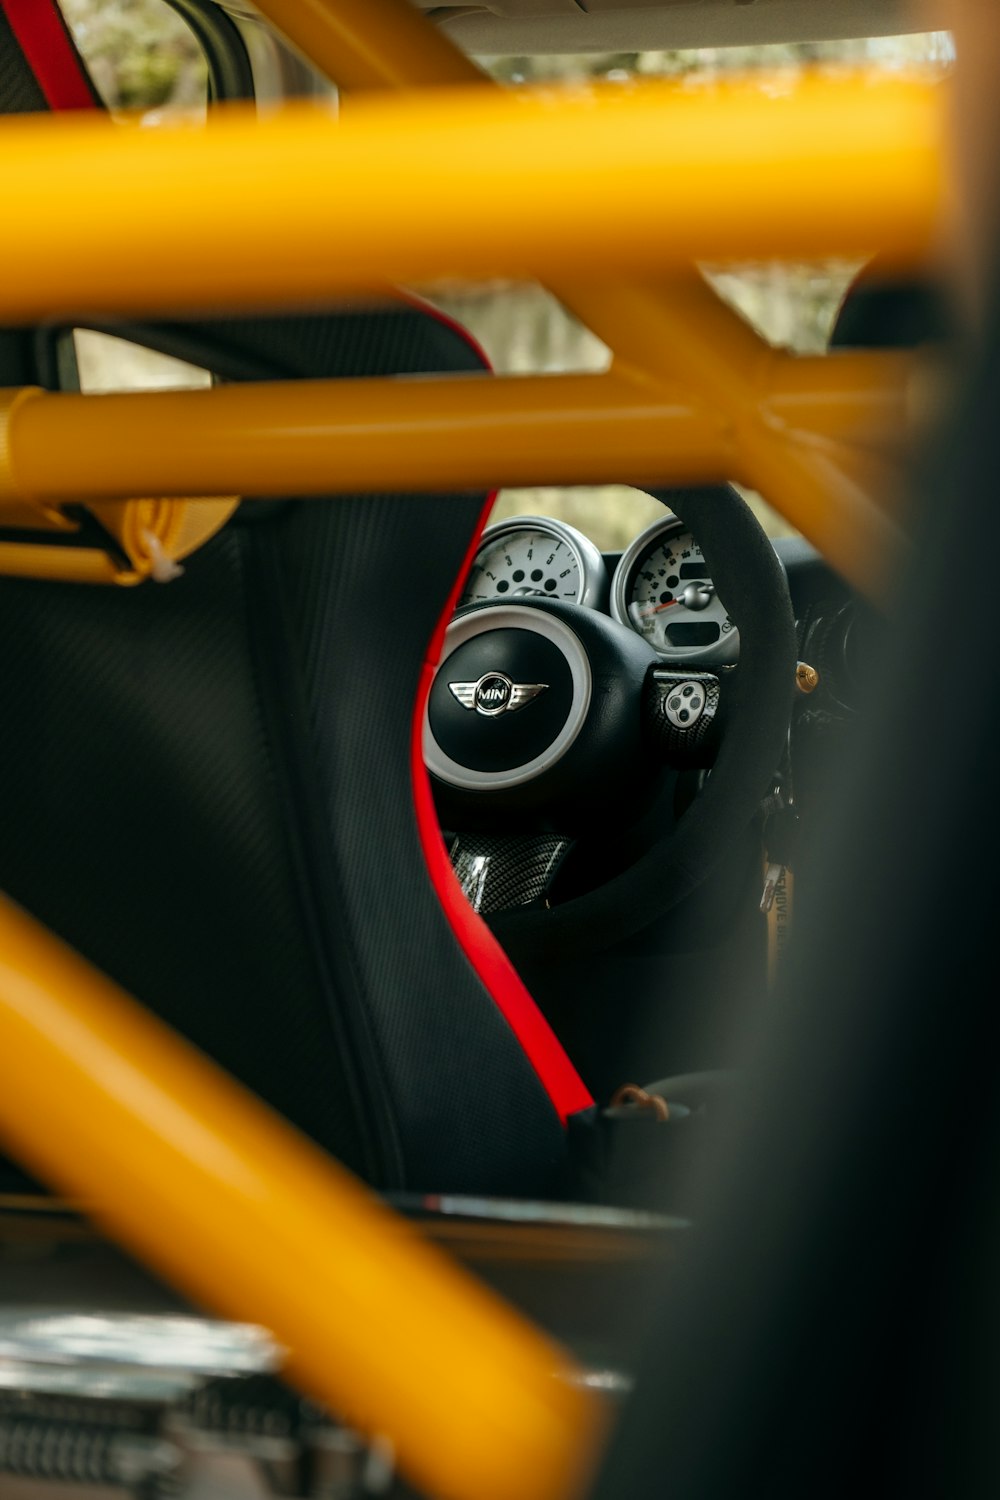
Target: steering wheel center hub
509, 699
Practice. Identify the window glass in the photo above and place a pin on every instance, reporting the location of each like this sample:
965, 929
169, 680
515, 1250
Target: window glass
105, 363
140, 54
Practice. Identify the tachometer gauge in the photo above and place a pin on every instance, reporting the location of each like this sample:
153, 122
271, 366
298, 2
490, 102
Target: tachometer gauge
530, 556
663, 590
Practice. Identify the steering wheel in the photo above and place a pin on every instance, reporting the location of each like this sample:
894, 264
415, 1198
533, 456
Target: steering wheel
540, 707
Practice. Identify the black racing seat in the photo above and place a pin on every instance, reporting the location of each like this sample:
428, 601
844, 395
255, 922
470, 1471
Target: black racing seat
209, 791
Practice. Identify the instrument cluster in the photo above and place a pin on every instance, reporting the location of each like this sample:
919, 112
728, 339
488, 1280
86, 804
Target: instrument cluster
660, 587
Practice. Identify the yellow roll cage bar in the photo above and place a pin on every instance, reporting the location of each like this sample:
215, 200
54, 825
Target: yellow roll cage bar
628, 187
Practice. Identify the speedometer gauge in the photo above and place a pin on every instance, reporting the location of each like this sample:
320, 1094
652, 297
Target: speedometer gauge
662, 589
529, 556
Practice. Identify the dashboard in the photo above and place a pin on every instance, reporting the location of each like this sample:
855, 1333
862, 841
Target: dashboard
660, 586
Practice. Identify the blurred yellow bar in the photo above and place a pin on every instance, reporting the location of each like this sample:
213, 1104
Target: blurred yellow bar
364, 44
829, 476
315, 437
249, 1218
301, 208
808, 452
820, 462
860, 397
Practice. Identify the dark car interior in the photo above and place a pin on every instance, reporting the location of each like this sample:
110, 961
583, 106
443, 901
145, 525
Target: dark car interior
247, 829
629, 951
486, 882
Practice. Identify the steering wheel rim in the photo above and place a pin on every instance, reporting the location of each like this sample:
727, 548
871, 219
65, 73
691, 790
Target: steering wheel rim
749, 576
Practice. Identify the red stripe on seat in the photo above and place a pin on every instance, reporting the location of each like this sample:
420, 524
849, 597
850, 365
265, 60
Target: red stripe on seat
48, 49
541, 1046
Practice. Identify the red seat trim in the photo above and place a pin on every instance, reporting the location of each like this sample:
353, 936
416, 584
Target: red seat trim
42, 36
541, 1046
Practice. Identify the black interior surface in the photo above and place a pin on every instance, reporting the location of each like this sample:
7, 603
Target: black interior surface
19, 89
839, 1324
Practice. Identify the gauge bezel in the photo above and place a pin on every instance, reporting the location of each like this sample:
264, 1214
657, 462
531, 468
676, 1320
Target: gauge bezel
593, 572
720, 652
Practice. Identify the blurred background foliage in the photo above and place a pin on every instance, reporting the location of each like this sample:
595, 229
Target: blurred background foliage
141, 55
144, 57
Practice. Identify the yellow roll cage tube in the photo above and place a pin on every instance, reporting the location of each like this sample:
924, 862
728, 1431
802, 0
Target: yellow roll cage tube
95, 1094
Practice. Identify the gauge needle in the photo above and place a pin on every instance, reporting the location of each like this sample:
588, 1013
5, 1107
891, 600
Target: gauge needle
695, 596
644, 614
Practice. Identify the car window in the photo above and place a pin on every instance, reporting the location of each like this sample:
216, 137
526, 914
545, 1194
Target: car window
106, 363
140, 54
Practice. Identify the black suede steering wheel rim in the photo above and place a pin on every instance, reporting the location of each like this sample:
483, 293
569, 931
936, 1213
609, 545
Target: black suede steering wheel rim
750, 578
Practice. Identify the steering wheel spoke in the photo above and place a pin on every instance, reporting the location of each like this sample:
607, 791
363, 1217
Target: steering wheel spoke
684, 714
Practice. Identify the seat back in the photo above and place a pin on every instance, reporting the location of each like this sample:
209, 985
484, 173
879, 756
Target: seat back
208, 791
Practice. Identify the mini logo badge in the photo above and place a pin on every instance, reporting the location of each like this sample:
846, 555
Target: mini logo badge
495, 694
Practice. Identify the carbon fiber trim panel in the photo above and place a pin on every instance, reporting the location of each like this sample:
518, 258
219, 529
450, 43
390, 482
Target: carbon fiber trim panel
682, 744
19, 90
498, 871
